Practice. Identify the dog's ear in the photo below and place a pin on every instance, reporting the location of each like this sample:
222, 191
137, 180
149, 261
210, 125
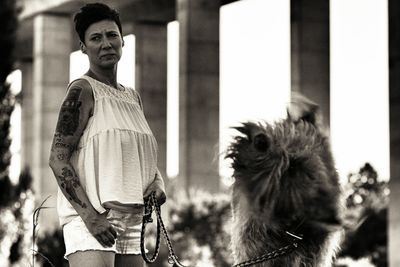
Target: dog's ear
249, 129
251, 143
254, 134
303, 109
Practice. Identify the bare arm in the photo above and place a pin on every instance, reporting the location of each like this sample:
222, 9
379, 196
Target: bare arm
73, 117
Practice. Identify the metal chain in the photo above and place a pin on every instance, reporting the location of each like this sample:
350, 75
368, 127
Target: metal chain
269, 256
172, 258
147, 219
274, 254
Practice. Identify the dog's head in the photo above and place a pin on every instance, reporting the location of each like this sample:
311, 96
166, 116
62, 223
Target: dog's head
285, 171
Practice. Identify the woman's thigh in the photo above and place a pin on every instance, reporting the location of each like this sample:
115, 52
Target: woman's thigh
128, 260
91, 258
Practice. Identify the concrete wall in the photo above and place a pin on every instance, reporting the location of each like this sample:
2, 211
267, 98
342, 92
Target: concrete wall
151, 81
310, 51
51, 51
394, 95
198, 93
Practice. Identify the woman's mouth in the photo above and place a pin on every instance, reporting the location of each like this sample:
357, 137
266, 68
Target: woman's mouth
107, 55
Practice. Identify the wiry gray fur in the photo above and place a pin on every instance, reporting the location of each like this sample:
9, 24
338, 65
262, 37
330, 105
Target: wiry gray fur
285, 180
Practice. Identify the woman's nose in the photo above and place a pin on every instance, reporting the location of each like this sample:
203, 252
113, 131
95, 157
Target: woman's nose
106, 43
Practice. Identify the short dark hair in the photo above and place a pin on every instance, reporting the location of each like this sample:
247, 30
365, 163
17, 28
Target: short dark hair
92, 13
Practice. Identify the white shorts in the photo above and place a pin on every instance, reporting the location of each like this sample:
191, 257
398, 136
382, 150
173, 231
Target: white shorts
127, 225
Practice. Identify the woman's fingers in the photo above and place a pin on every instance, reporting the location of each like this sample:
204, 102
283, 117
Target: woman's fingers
109, 240
107, 237
161, 198
106, 240
113, 232
102, 230
111, 235
103, 241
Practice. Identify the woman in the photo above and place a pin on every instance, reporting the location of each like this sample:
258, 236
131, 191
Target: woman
104, 155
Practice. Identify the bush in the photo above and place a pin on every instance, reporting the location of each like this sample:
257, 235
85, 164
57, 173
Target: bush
51, 246
199, 226
367, 207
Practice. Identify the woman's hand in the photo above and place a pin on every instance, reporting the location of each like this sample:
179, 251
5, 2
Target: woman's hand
160, 195
101, 229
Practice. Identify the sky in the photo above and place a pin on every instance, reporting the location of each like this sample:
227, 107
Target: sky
255, 76
359, 85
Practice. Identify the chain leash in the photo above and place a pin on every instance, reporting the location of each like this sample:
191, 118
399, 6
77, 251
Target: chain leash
148, 210
273, 254
151, 203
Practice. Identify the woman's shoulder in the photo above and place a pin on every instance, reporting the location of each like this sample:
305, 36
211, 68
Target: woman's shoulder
82, 83
82, 87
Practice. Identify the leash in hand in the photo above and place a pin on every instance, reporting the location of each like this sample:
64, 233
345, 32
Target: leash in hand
150, 205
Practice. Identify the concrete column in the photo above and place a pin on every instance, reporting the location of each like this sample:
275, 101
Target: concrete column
52, 47
199, 94
310, 51
151, 81
27, 115
394, 95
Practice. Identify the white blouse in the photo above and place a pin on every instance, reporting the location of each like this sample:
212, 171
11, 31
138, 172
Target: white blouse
116, 158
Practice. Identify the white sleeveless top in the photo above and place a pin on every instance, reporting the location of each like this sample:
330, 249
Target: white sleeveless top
116, 157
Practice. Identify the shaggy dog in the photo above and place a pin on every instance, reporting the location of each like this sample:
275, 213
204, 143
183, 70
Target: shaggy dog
285, 181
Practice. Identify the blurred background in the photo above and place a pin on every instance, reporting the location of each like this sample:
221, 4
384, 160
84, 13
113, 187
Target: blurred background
201, 67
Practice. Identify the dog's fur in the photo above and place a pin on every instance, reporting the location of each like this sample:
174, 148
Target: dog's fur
285, 180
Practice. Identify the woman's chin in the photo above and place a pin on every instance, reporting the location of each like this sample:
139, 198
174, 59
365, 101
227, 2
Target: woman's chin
109, 64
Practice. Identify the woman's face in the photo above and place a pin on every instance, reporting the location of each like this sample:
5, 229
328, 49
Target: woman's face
103, 44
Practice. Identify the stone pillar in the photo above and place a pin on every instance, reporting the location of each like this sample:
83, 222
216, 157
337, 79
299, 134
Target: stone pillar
151, 81
310, 51
199, 94
27, 114
52, 47
394, 111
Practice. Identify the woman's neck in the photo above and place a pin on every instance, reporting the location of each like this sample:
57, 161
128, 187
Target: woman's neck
108, 77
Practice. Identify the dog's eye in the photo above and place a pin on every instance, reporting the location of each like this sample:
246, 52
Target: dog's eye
261, 142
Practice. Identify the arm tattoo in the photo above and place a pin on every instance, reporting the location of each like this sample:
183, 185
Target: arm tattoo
61, 156
70, 182
60, 144
69, 115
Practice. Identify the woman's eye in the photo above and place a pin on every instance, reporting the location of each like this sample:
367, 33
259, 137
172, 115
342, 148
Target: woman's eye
96, 38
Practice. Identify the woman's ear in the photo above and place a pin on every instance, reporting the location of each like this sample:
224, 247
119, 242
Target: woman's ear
123, 42
82, 46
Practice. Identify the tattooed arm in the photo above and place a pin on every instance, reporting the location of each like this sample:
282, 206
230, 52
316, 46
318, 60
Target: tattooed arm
74, 114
